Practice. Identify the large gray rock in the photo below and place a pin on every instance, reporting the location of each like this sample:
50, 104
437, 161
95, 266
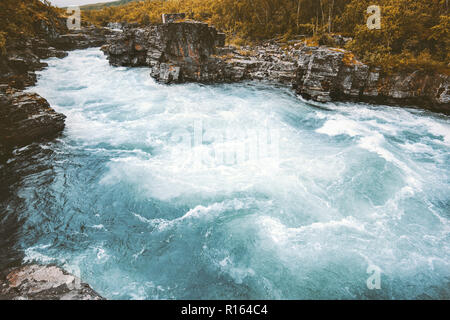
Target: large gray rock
195, 52
35, 282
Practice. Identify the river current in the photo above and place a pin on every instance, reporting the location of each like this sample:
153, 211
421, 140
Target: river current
234, 191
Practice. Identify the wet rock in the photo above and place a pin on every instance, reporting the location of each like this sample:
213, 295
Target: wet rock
35, 282
26, 117
168, 73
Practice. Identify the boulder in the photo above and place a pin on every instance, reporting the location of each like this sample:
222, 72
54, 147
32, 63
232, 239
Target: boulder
318, 70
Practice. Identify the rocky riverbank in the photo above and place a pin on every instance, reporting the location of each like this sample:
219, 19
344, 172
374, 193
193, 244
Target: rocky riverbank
25, 118
195, 52
326, 74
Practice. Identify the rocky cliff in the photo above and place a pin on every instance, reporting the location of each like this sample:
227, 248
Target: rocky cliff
192, 52
176, 52
195, 52
326, 74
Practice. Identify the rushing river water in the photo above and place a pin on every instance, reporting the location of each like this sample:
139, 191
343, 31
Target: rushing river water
234, 191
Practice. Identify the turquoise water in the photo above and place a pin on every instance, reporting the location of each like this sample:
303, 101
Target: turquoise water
235, 191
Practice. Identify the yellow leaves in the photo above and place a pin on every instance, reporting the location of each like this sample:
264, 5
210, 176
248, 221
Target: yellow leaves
2, 42
349, 59
246, 53
19, 18
312, 42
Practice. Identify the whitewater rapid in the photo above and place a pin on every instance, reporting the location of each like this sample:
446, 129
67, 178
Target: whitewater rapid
240, 191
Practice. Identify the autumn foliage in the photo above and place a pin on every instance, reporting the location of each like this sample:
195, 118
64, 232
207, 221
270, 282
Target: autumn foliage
26, 18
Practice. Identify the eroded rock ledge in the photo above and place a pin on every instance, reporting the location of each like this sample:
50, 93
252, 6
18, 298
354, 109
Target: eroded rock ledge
195, 52
26, 118
35, 282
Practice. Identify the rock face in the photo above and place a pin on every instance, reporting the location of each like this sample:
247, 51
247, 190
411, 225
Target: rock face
267, 62
87, 37
26, 117
195, 52
35, 282
326, 74
176, 52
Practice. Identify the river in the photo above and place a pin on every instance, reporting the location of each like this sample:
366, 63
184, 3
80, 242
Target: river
234, 191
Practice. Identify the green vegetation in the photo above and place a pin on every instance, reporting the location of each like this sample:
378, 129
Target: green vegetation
414, 34
26, 18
